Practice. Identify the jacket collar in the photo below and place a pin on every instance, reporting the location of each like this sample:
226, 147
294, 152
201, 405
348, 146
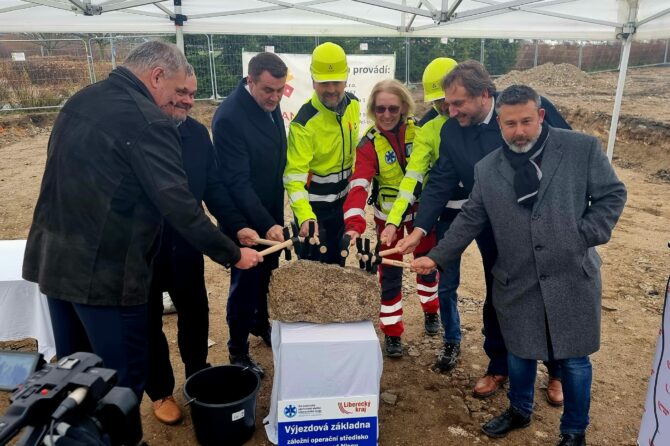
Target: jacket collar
550, 161
257, 116
323, 109
123, 75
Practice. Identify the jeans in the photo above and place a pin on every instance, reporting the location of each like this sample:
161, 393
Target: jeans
494, 345
576, 379
450, 277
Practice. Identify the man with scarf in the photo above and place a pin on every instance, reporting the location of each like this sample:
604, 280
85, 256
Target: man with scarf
469, 135
550, 196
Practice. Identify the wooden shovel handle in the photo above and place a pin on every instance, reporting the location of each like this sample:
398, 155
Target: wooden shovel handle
388, 252
266, 242
396, 263
278, 247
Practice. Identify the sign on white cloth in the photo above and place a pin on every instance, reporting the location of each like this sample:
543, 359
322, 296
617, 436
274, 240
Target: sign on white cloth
365, 70
24, 312
324, 375
655, 427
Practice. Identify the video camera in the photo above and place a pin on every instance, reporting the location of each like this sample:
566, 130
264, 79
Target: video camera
75, 388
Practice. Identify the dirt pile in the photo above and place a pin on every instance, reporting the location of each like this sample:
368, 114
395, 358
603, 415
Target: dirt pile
306, 291
552, 75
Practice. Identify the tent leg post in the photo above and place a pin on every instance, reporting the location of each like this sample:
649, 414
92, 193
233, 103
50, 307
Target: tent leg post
178, 25
619, 95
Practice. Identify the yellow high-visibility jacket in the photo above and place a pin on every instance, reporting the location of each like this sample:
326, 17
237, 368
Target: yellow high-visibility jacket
321, 148
425, 151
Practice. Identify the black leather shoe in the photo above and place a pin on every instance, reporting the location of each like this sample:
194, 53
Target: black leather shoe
503, 424
572, 440
393, 346
431, 323
246, 361
448, 357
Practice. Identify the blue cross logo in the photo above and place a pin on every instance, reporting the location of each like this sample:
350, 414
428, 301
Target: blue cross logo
390, 157
290, 411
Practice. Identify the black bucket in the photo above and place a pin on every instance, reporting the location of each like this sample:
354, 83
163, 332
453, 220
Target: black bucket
223, 404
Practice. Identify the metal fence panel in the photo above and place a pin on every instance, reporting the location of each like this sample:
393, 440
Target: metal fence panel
45, 72
41, 73
108, 52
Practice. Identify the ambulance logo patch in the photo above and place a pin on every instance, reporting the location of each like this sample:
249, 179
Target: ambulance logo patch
390, 157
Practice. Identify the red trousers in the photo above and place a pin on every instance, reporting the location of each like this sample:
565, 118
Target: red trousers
390, 280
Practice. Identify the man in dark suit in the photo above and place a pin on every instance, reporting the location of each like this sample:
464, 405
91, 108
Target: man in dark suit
471, 133
179, 268
550, 196
250, 139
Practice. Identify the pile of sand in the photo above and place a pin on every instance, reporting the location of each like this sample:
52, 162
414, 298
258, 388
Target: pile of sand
551, 75
306, 291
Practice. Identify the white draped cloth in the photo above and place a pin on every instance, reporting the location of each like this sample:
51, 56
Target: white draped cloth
322, 361
24, 312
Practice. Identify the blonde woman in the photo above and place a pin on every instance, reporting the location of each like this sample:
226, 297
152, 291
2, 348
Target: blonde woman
381, 160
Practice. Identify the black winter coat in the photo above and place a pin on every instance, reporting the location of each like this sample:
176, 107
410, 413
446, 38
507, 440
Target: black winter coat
251, 146
113, 170
177, 260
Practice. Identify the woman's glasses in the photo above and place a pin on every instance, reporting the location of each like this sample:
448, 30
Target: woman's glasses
381, 109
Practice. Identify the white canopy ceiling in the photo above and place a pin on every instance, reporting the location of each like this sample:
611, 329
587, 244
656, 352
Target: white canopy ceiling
540, 19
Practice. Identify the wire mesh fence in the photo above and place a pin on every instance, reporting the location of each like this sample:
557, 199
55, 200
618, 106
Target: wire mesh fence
43, 72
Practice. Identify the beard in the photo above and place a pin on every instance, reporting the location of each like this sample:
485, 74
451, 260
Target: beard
178, 120
526, 147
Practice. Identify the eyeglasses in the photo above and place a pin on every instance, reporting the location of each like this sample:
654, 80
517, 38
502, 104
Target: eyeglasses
381, 109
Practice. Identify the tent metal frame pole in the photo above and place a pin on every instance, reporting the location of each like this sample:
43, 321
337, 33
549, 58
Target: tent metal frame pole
179, 30
619, 96
212, 70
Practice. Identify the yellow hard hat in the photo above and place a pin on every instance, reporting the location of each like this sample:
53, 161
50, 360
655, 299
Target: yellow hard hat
433, 75
329, 63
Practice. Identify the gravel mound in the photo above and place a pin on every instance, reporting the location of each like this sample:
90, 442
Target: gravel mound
551, 75
307, 291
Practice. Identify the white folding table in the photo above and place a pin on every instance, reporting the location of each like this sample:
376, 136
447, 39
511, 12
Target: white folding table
24, 312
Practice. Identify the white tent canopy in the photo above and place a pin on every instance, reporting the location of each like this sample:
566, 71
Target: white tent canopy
528, 19
531, 19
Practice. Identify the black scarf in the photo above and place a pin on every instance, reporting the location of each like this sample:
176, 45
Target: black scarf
527, 172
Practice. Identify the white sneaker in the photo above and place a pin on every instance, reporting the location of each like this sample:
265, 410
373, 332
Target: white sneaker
168, 305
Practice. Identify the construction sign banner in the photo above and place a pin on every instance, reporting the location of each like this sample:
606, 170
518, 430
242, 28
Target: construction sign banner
365, 70
655, 426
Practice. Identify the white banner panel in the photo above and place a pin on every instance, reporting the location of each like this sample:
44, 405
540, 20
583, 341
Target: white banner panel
365, 71
655, 426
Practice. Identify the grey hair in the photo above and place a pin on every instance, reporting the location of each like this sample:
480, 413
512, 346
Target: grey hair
518, 95
156, 53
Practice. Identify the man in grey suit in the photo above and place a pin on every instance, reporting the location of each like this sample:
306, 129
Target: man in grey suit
550, 196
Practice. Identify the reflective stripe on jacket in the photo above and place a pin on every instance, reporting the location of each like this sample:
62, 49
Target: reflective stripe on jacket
320, 155
381, 156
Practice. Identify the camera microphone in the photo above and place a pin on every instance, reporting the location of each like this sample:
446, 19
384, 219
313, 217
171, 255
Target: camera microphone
74, 399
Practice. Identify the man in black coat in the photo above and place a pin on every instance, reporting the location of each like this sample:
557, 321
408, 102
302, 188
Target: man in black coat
250, 140
179, 268
471, 133
113, 170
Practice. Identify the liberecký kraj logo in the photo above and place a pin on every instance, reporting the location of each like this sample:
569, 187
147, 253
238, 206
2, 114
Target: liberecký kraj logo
351, 407
290, 411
